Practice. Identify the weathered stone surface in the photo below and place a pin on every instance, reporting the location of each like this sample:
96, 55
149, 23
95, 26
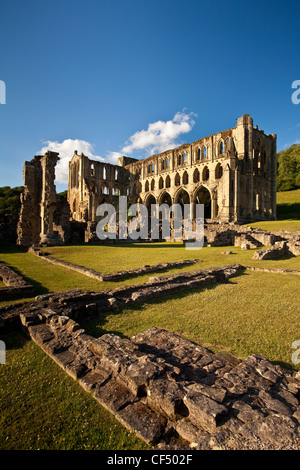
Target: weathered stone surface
147, 424
167, 397
245, 412
278, 431
275, 251
158, 383
139, 374
203, 411
113, 395
215, 393
92, 379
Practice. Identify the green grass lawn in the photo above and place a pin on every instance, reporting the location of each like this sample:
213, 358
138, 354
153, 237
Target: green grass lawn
41, 407
256, 312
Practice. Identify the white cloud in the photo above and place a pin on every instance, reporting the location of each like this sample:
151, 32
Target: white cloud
66, 151
160, 135
112, 157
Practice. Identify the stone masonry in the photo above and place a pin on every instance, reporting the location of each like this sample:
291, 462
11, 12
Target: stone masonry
232, 173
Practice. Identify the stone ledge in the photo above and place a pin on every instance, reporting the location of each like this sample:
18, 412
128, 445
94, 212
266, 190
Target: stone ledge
15, 284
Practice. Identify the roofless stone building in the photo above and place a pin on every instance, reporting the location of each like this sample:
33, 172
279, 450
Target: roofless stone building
233, 173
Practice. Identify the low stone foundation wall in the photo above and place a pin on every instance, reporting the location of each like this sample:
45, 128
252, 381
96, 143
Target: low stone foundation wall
15, 284
82, 305
275, 271
279, 249
116, 276
226, 234
170, 391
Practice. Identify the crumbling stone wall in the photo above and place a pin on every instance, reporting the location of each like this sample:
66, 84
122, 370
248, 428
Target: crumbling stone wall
279, 249
38, 221
171, 391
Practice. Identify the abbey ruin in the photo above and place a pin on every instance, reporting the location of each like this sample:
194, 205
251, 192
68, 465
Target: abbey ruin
232, 173
172, 392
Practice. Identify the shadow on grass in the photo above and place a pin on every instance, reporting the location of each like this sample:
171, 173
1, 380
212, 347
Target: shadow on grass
94, 327
39, 289
288, 211
14, 339
6, 247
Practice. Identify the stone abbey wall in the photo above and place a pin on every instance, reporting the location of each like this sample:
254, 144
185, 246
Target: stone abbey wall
232, 172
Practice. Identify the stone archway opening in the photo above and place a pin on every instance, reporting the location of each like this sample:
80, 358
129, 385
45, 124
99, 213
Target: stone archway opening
203, 196
182, 198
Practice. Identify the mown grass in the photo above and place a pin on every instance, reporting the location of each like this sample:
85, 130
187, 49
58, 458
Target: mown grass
41, 407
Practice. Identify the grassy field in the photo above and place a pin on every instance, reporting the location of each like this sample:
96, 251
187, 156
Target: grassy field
256, 312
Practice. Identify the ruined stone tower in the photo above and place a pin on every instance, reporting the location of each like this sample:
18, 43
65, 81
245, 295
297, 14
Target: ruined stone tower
38, 201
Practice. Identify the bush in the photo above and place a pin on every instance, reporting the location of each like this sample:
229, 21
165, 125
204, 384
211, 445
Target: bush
10, 199
288, 168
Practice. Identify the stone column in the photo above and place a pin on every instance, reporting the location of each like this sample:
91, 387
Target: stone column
48, 198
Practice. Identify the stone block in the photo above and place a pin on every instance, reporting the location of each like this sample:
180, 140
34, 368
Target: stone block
204, 412
92, 379
139, 374
167, 398
146, 423
113, 395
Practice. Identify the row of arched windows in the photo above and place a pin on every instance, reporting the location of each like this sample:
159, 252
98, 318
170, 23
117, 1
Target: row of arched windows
104, 172
184, 179
113, 191
200, 153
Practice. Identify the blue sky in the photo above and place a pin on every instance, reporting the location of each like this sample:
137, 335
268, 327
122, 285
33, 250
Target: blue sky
107, 76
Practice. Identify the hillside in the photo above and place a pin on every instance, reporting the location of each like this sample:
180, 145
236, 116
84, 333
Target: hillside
288, 168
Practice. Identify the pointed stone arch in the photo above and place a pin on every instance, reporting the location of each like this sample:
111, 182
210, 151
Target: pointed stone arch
161, 183
196, 176
185, 178
202, 195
